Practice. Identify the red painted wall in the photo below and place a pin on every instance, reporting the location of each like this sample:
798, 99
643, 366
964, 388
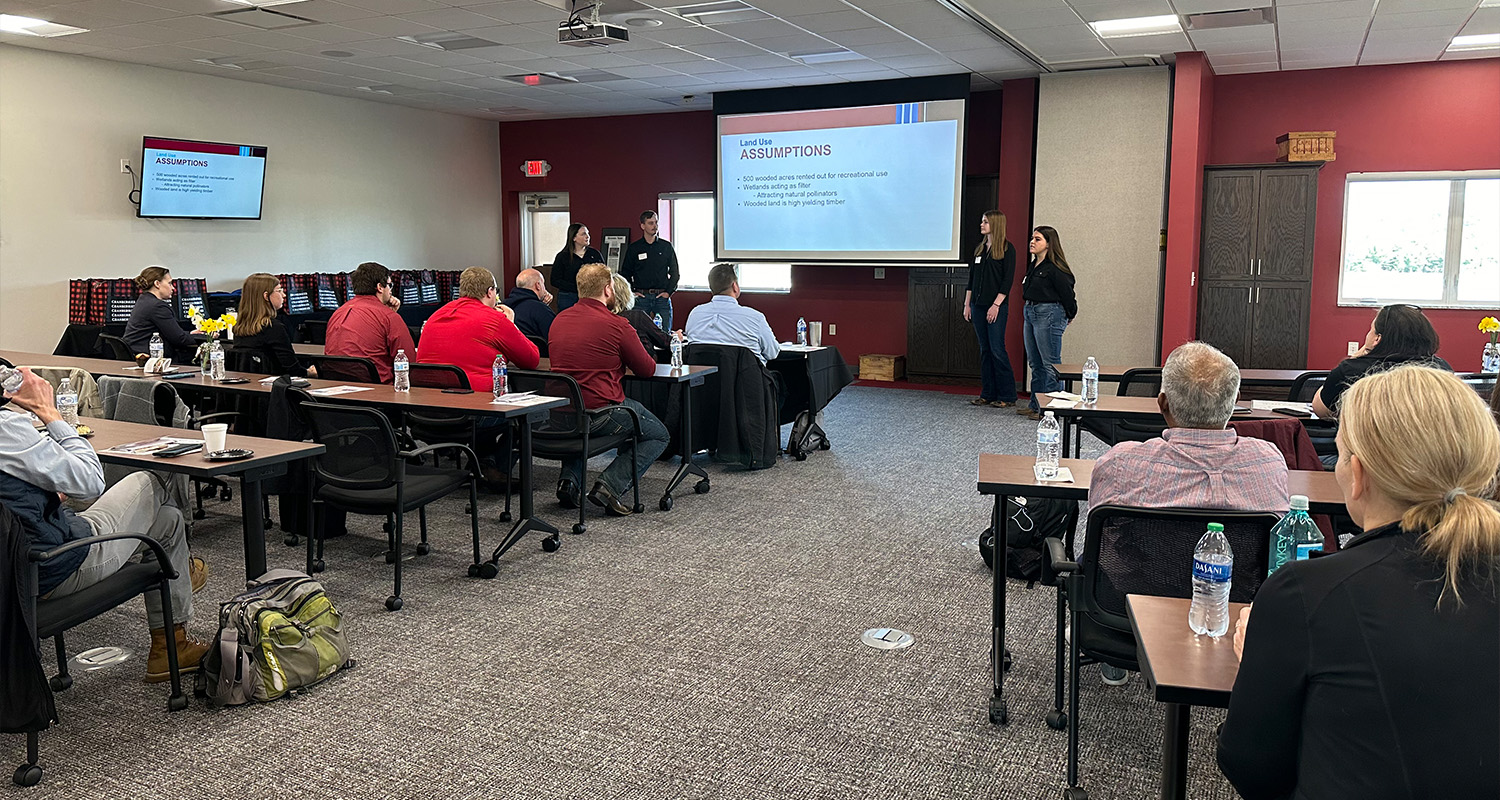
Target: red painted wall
614, 167
1017, 162
1192, 121
1392, 118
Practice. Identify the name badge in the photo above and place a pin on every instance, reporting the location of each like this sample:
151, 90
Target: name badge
978, 259
640, 256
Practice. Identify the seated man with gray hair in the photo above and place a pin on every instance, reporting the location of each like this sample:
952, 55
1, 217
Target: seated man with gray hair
1198, 462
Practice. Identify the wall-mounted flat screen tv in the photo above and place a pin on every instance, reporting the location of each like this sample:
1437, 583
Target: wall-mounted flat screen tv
186, 179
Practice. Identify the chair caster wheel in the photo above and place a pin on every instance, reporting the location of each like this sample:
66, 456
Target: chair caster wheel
319, 566
390, 556
489, 570
1057, 720
393, 603
666, 503
824, 446
701, 487
423, 548
505, 516
551, 543
999, 715
200, 514
640, 508
226, 494
801, 456
60, 683
1075, 793
473, 570
579, 528
291, 540
27, 775
177, 703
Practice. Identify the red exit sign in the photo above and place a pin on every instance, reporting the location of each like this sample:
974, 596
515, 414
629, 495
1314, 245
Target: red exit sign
536, 169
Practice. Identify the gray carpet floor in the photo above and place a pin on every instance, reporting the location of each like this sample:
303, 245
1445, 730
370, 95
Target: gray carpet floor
709, 652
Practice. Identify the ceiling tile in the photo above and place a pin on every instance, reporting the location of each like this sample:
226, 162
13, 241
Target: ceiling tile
450, 19
669, 55
509, 34
122, 10
193, 6
394, 6
1120, 9
1337, 9
835, 21
515, 11
1467, 54
757, 29
1347, 26
1037, 19
892, 50
1161, 44
862, 36
1485, 20
725, 50
325, 11
931, 60
1453, 19
1269, 66
1399, 6
1186, 7
787, 44
1410, 36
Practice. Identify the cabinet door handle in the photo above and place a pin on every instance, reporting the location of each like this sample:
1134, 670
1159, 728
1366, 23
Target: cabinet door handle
1257, 295
1249, 295
1260, 264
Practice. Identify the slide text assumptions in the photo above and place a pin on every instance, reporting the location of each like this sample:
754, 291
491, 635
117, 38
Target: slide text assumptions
182, 183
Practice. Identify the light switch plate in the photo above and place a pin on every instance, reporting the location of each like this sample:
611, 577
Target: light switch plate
832, 329
1353, 348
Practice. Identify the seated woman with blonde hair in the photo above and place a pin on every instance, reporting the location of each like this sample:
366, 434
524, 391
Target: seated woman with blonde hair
1374, 672
654, 339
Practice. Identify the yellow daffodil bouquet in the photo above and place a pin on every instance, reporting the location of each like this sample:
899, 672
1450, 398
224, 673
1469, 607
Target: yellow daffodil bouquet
212, 327
1491, 326
1490, 361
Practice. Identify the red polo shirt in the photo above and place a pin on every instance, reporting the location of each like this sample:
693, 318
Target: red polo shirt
364, 327
594, 346
467, 334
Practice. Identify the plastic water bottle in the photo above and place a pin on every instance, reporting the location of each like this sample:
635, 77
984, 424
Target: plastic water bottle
1091, 381
402, 371
158, 349
676, 352
11, 379
1048, 446
657, 320
499, 376
216, 361
67, 402
1295, 537
802, 331
1213, 566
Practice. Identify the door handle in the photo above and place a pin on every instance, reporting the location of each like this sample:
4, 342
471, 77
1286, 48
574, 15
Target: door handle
1257, 295
1259, 265
1249, 295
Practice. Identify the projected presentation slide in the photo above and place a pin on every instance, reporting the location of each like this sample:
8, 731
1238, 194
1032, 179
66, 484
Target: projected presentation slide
201, 179
869, 183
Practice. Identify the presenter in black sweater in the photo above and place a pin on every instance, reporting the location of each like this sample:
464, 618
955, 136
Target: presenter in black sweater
650, 264
569, 260
1050, 306
987, 305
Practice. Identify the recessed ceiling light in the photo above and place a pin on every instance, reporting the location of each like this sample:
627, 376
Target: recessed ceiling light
446, 40
826, 56
1136, 26
641, 22
338, 53
36, 27
1481, 41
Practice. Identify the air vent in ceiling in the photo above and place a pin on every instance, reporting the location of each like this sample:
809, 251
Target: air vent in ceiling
507, 110
1231, 19
445, 40
389, 88
238, 62
538, 79
264, 18
718, 12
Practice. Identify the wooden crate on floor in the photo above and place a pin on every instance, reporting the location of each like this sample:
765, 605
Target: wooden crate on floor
876, 367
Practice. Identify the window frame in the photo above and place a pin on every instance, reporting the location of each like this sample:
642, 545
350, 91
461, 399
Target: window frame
665, 212
1453, 247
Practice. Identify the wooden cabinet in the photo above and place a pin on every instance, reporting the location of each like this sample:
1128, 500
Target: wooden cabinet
1255, 267
939, 342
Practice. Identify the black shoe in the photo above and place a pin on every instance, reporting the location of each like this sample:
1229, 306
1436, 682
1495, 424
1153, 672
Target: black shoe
567, 494
603, 497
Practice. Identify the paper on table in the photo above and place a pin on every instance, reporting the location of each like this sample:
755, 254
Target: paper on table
337, 390
1065, 395
1061, 403
1273, 405
268, 381
520, 399
1064, 475
148, 446
801, 348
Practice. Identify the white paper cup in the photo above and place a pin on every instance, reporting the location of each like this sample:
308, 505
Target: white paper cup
214, 436
815, 336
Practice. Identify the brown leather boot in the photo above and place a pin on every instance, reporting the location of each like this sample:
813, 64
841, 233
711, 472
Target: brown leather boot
189, 653
197, 573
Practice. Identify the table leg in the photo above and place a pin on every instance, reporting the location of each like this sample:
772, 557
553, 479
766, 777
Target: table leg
1174, 752
528, 522
998, 712
253, 518
685, 444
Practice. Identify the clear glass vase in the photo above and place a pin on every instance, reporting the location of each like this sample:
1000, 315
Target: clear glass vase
1490, 361
205, 356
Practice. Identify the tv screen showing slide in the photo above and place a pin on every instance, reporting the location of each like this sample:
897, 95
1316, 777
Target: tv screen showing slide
201, 180
871, 183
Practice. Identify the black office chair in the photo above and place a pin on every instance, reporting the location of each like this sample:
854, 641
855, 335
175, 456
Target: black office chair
1321, 431
431, 426
1482, 382
314, 331
541, 344
56, 616
345, 368
567, 433
117, 347
1140, 382
1137, 551
363, 472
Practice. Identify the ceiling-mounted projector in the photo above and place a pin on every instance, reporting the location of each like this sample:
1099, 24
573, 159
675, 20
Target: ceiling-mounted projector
581, 33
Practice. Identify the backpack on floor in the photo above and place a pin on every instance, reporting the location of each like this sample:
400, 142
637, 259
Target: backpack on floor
1028, 521
280, 635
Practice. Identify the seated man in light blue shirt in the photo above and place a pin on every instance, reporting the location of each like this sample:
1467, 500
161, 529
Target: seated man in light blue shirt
722, 320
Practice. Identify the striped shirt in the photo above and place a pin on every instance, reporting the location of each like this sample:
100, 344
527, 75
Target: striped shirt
1192, 468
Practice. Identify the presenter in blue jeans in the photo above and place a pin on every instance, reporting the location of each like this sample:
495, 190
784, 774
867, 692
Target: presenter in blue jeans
987, 305
1050, 306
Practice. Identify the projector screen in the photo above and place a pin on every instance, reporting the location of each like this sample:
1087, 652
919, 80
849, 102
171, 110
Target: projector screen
876, 183
201, 180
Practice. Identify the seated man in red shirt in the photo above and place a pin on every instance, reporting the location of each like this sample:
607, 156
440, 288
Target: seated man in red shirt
367, 325
470, 331
594, 346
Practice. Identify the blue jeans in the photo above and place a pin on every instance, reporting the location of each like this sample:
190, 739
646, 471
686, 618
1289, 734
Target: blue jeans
616, 477
997, 380
1045, 323
565, 300
653, 305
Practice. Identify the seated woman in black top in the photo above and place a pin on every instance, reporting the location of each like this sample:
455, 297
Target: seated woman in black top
654, 339
1398, 335
261, 300
1374, 673
569, 260
153, 314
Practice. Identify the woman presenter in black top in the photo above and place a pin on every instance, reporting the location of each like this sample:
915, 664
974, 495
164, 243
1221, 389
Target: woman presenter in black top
569, 260
1050, 306
987, 305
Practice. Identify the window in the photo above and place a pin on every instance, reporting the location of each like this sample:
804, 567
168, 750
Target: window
1429, 238
687, 221
544, 227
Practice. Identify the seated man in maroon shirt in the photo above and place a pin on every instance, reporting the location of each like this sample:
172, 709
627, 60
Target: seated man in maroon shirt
594, 346
367, 325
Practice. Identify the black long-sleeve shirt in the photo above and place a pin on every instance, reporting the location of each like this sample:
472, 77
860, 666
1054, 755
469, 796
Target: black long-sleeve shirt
152, 314
276, 343
565, 268
1357, 685
1046, 283
651, 267
990, 277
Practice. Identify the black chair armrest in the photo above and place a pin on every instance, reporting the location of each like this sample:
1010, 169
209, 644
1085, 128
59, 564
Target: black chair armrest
200, 420
635, 418
1056, 556
156, 549
433, 448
